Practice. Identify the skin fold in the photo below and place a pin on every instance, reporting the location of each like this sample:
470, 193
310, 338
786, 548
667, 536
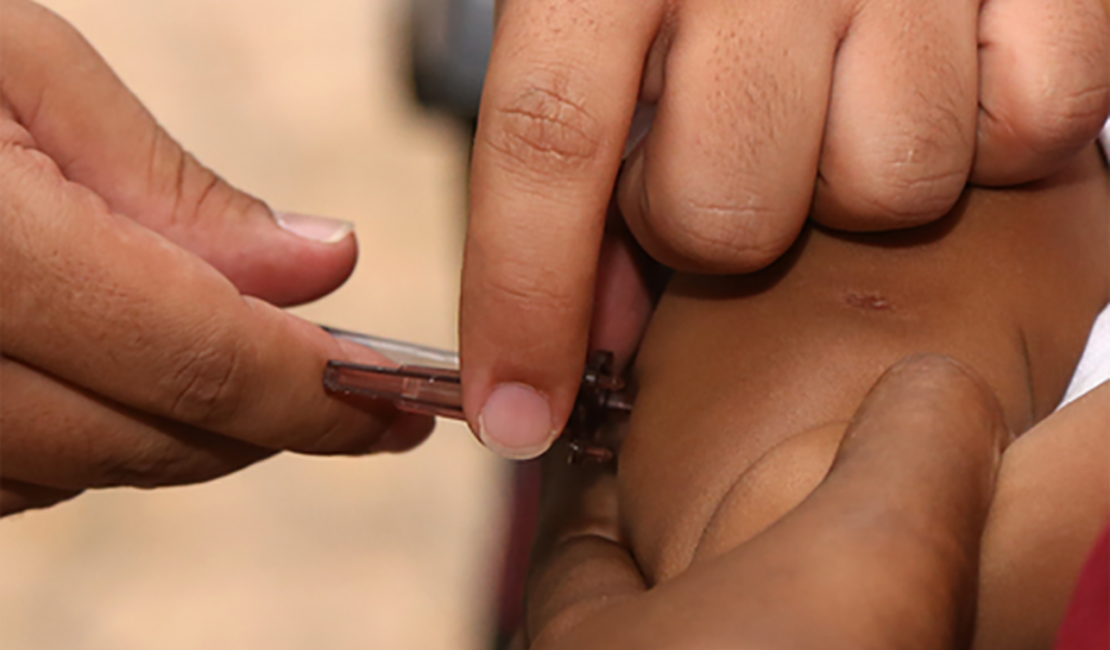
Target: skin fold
748, 383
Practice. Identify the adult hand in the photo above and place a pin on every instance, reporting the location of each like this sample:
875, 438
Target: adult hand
137, 349
1048, 509
883, 553
877, 110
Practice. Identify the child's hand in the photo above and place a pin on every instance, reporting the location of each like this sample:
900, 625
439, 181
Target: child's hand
883, 553
878, 110
131, 355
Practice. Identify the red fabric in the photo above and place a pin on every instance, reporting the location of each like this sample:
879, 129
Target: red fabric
1087, 623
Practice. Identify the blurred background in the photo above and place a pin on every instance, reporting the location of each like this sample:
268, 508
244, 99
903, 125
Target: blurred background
310, 106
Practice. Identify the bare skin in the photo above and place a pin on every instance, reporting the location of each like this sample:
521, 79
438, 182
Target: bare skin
877, 111
139, 340
891, 535
747, 385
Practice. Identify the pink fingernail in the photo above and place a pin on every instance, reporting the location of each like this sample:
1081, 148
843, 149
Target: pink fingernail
319, 229
516, 422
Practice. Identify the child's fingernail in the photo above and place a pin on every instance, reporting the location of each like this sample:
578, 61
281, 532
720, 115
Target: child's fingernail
320, 229
516, 422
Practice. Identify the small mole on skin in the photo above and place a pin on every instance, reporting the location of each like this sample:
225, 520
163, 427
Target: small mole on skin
869, 301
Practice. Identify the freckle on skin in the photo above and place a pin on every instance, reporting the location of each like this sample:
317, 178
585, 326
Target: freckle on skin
868, 301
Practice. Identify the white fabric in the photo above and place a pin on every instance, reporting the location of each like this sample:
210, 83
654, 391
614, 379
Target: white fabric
1104, 140
1094, 366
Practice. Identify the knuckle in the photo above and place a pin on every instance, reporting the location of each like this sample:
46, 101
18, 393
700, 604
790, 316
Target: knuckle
915, 172
208, 379
917, 177
17, 144
545, 128
204, 196
142, 466
194, 192
909, 194
184, 456
21, 163
1063, 119
186, 191
1070, 102
721, 237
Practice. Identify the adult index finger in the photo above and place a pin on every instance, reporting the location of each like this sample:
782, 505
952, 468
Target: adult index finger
97, 300
563, 80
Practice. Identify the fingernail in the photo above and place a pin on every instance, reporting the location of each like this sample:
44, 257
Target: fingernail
320, 229
516, 422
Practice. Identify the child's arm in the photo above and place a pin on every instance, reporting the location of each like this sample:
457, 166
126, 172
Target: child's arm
882, 554
1052, 503
746, 385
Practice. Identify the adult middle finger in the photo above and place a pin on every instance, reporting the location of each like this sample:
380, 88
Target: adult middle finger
724, 180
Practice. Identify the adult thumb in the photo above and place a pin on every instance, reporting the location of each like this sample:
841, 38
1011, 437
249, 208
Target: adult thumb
79, 113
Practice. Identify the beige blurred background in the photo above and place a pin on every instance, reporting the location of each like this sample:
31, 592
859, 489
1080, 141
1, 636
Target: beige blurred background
303, 104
